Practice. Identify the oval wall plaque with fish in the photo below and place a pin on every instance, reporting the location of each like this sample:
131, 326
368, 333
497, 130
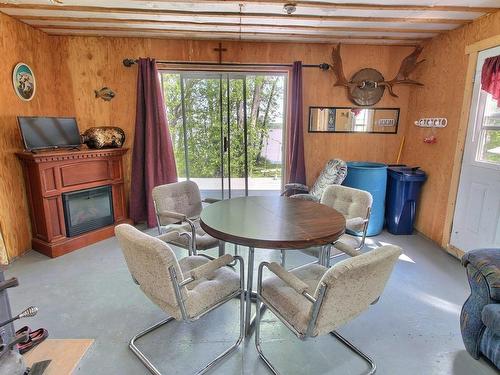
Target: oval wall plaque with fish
105, 94
24, 82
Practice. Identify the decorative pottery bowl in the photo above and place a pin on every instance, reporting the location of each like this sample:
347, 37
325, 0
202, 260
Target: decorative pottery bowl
104, 137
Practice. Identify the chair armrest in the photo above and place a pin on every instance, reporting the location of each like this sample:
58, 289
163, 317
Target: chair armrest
296, 186
491, 317
172, 215
289, 278
355, 222
207, 269
169, 236
345, 248
211, 200
305, 197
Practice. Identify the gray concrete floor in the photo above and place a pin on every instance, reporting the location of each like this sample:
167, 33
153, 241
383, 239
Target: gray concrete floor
414, 329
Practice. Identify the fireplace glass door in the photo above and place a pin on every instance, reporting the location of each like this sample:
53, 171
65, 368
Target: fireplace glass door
87, 210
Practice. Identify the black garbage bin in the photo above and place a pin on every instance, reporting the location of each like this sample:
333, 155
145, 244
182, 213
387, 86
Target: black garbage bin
403, 191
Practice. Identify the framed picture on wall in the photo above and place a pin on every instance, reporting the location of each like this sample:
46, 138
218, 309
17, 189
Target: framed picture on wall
24, 81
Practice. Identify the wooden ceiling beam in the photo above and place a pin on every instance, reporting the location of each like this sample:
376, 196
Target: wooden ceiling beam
33, 22
232, 33
192, 13
215, 36
335, 6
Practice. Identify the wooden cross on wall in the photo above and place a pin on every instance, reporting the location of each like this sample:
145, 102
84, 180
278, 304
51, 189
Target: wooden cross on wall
220, 50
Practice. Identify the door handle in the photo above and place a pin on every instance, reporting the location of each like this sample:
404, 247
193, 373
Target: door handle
225, 144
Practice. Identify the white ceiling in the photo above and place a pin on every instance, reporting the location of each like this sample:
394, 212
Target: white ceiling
346, 21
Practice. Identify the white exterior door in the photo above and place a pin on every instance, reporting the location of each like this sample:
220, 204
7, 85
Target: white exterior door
476, 222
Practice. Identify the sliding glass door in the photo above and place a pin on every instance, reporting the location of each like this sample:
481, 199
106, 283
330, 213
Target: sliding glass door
227, 130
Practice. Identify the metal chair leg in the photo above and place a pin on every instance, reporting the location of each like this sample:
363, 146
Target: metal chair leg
222, 248
365, 230
257, 327
248, 303
141, 355
354, 349
283, 258
328, 255
362, 242
209, 366
343, 340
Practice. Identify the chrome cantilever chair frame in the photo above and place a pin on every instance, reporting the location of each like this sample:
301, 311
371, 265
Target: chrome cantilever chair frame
316, 302
185, 318
192, 235
366, 221
325, 258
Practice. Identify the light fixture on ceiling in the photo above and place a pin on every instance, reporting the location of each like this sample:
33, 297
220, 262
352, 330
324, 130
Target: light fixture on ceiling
290, 8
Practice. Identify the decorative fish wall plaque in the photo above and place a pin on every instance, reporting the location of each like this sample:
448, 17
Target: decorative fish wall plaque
105, 94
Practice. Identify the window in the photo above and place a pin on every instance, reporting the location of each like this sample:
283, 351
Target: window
227, 130
488, 125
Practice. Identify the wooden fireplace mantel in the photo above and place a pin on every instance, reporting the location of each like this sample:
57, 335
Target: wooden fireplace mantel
49, 174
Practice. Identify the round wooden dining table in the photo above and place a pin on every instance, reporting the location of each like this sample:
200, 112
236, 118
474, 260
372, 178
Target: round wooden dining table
271, 222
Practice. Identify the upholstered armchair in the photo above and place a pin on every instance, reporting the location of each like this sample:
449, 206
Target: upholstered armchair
480, 317
313, 300
186, 289
178, 207
333, 173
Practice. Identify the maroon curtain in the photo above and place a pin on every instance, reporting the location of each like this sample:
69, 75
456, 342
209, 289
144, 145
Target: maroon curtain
490, 77
153, 161
295, 142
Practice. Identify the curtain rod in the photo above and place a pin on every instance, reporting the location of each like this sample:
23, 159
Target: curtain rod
323, 66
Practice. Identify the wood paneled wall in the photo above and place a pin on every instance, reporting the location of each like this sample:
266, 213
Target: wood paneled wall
444, 77
96, 62
85, 64
21, 43
69, 69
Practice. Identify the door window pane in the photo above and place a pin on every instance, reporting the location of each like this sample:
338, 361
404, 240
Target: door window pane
490, 150
489, 142
266, 121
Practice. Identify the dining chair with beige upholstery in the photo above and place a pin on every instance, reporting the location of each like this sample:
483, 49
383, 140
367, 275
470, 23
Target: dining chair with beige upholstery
178, 207
314, 300
356, 206
185, 289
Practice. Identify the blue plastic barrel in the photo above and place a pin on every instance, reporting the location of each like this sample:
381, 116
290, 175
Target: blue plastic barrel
403, 192
371, 177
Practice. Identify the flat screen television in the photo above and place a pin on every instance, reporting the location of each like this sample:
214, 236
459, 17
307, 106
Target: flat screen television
49, 132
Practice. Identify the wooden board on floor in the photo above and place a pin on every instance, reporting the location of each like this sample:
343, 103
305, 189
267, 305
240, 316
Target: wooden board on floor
65, 354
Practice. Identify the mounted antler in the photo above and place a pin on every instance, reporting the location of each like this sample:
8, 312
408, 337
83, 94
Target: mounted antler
408, 65
339, 72
337, 68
